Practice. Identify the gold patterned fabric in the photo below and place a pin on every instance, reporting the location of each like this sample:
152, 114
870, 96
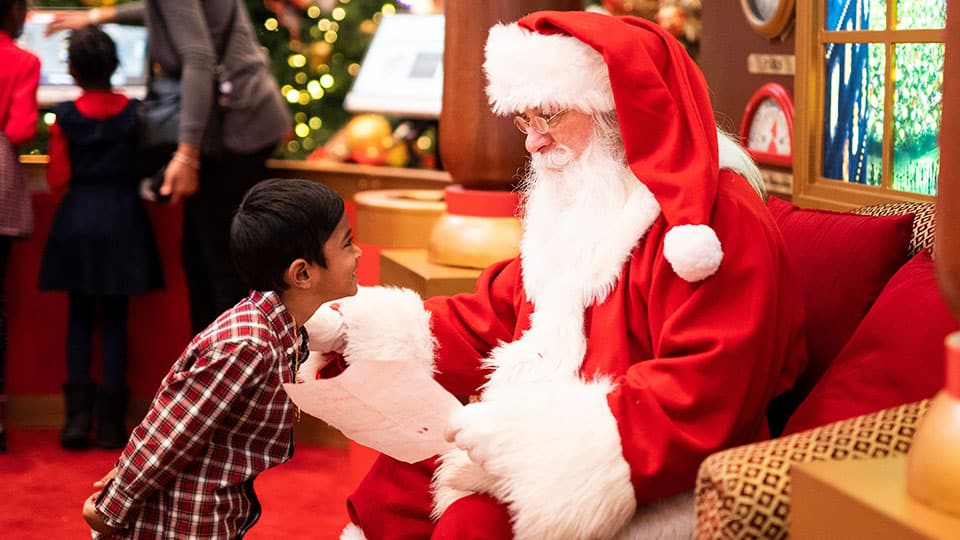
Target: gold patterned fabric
744, 492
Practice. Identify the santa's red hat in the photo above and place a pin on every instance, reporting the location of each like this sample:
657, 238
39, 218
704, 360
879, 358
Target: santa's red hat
597, 63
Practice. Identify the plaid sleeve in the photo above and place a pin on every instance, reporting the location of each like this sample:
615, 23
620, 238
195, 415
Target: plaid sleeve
185, 410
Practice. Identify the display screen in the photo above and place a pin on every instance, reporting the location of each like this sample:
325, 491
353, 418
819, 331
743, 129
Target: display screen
56, 84
402, 72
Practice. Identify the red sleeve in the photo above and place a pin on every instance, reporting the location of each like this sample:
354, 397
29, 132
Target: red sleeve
58, 168
722, 348
468, 326
21, 125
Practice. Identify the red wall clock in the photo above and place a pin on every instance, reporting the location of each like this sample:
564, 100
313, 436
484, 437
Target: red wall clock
767, 127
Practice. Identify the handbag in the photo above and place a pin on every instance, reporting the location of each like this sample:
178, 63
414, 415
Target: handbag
16, 214
159, 113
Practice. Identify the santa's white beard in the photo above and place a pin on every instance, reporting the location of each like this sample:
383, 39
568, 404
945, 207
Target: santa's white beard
569, 210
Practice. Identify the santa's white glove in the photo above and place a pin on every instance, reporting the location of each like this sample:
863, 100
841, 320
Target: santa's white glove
326, 330
551, 451
472, 430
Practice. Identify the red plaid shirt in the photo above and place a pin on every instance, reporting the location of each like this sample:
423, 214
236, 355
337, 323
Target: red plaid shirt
219, 419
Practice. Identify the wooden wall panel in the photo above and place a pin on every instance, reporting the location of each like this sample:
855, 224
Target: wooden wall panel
725, 42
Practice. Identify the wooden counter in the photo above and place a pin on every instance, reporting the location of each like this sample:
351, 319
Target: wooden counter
348, 178
862, 499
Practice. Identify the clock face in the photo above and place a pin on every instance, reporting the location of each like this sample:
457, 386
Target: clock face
764, 9
769, 18
769, 131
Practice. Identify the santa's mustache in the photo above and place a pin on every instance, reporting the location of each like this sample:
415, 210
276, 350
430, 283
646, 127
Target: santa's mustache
553, 160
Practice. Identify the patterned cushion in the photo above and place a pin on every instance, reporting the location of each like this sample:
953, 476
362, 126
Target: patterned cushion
923, 221
744, 492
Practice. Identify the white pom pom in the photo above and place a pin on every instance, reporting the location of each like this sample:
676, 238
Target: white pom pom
352, 532
693, 251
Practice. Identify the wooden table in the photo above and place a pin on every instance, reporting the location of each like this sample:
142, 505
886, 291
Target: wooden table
861, 499
409, 268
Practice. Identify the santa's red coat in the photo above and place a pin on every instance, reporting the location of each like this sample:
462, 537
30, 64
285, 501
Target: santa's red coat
692, 365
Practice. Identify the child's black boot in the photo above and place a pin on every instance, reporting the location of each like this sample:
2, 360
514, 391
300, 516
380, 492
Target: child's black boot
79, 398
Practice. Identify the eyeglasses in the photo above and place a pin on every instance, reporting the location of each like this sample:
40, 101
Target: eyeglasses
538, 123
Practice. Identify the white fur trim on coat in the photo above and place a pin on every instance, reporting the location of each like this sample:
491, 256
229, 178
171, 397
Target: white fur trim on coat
555, 459
693, 251
552, 72
387, 323
352, 532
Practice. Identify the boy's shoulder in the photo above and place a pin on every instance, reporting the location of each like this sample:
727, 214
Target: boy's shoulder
259, 320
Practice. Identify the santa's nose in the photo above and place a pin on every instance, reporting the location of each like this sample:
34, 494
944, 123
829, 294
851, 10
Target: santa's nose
536, 142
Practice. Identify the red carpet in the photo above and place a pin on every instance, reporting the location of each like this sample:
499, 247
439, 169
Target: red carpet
42, 489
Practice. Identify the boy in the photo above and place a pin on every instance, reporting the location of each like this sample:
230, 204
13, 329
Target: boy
221, 416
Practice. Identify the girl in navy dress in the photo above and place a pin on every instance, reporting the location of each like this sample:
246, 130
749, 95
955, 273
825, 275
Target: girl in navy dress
101, 247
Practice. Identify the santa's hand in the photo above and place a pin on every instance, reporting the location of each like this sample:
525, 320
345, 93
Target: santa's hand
552, 453
471, 429
326, 330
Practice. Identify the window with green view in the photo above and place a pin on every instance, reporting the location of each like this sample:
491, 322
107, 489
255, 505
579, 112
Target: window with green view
883, 62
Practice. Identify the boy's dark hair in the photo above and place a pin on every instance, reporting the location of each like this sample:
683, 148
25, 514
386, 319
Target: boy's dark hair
278, 221
93, 57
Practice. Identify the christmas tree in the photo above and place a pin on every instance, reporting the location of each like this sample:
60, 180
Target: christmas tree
315, 48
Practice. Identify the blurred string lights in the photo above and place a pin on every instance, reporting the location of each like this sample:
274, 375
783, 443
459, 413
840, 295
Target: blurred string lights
316, 47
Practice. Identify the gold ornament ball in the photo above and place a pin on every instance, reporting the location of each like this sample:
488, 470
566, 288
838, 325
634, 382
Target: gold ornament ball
318, 54
369, 137
397, 156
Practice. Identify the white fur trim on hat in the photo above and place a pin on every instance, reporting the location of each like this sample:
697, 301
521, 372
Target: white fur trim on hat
387, 323
693, 251
527, 69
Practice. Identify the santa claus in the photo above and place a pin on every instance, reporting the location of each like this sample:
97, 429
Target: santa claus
647, 322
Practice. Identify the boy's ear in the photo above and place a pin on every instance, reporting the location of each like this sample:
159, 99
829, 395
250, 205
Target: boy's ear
298, 274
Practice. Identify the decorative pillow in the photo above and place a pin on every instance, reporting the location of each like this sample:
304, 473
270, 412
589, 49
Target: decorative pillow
841, 261
895, 356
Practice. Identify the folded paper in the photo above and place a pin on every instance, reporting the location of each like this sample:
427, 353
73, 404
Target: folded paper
394, 407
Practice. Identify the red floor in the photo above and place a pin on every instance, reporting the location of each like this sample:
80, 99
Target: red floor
43, 488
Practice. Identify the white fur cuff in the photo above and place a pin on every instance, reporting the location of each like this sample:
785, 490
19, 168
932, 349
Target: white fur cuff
385, 323
556, 460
